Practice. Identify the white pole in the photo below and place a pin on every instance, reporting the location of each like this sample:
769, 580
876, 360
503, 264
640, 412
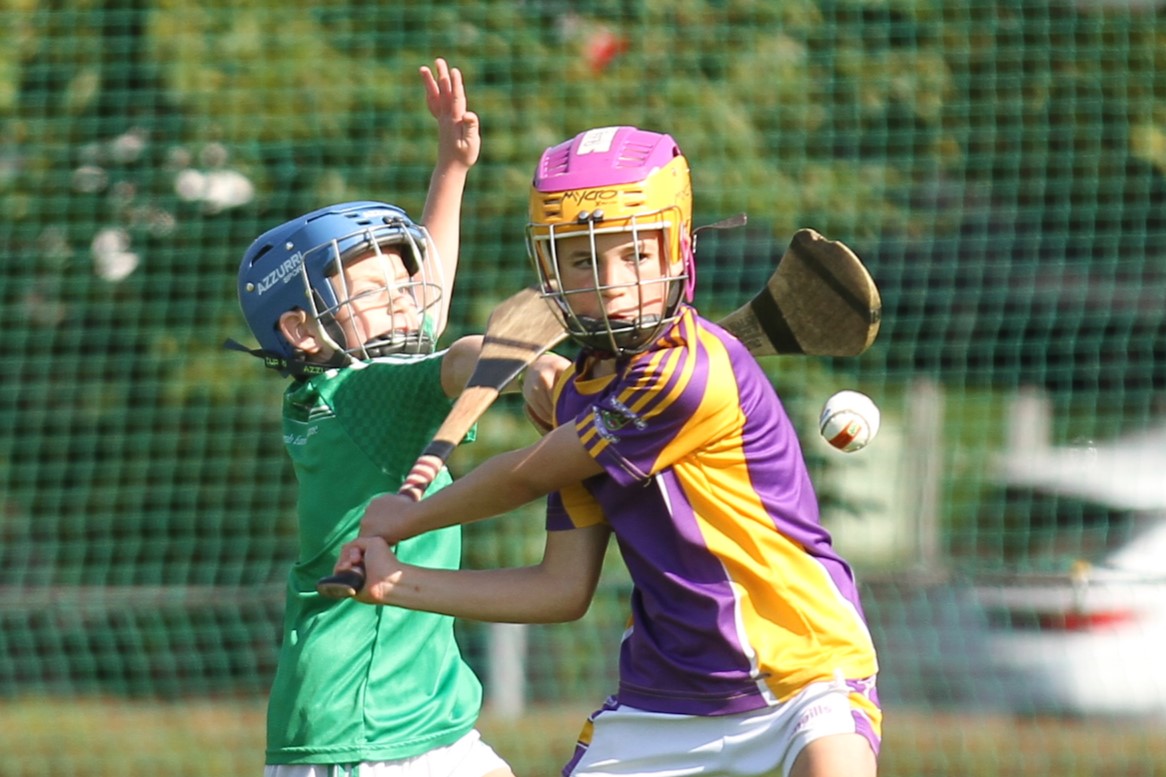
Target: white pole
924, 468
506, 690
1030, 421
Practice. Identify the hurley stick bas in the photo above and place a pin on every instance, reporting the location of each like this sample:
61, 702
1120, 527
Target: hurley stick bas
820, 301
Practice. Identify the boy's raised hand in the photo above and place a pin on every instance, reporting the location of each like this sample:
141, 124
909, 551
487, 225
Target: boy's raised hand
458, 138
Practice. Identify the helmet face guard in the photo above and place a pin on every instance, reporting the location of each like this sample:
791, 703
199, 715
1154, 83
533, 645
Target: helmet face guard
600, 333
299, 265
607, 181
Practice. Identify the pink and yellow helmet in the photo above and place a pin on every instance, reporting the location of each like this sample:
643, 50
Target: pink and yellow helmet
613, 179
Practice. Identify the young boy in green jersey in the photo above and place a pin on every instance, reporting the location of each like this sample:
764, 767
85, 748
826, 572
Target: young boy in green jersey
350, 300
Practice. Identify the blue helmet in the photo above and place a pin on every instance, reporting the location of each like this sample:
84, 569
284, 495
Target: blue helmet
288, 268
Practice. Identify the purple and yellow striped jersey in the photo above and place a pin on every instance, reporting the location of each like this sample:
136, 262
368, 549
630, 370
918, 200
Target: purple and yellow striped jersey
739, 597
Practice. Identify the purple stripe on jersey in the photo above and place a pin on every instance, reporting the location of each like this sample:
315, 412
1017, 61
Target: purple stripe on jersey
688, 616
672, 368
557, 518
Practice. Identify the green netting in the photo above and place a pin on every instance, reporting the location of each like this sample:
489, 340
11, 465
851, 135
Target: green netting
1000, 167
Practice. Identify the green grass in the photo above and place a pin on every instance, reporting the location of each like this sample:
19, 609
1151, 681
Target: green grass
122, 738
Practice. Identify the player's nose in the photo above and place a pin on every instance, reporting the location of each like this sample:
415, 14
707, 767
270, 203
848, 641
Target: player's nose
614, 277
402, 304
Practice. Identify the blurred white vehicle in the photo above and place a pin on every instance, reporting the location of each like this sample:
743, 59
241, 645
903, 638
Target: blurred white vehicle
1078, 624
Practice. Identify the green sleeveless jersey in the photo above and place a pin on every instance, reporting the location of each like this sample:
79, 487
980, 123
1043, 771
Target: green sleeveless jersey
357, 682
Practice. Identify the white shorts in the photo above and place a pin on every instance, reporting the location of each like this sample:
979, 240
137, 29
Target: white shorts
630, 742
467, 757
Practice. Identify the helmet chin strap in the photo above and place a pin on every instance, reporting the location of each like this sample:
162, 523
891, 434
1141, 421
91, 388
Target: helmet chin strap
600, 335
412, 342
289, 365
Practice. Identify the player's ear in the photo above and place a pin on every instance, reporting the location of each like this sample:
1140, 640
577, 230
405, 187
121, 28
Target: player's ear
298, 330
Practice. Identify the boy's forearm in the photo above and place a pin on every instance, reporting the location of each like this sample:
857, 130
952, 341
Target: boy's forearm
442, 217
520, 595
443, 205
560, 588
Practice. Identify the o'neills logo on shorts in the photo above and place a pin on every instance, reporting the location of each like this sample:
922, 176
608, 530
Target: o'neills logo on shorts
282, 274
